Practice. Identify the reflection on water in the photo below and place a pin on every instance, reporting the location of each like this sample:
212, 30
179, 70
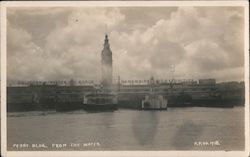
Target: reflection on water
145, 126
175, 129
188, 131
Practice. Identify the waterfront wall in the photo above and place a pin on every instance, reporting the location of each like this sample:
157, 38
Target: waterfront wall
51, 97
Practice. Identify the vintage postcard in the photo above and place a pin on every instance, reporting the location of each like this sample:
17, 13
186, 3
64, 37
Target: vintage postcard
125, 78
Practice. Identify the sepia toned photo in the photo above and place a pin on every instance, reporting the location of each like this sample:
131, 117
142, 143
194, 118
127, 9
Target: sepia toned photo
93, 78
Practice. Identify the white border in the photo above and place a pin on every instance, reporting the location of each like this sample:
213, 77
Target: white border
4, 151
3, 80
122, 3
247, 77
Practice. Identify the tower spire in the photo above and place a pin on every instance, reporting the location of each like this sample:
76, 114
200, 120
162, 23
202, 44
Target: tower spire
106, 42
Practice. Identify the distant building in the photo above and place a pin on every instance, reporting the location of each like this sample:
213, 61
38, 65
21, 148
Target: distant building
207, 81
232, 91
106, 63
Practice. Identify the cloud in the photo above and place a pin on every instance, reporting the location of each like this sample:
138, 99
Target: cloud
22, 54
199, 42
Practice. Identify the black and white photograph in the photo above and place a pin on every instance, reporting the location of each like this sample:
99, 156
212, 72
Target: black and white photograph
125, 77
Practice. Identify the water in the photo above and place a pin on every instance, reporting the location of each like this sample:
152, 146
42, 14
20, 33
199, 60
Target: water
175, 129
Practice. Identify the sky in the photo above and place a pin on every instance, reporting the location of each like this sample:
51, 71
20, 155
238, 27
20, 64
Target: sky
165, 42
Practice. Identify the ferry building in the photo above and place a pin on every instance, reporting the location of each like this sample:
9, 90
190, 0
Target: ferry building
50, 95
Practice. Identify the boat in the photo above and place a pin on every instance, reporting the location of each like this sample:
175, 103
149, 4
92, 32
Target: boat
100, 102
154, 102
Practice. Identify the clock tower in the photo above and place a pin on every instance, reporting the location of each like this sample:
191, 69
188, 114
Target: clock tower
106, 61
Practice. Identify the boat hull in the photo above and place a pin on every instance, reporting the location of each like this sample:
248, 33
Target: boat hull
156, 109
